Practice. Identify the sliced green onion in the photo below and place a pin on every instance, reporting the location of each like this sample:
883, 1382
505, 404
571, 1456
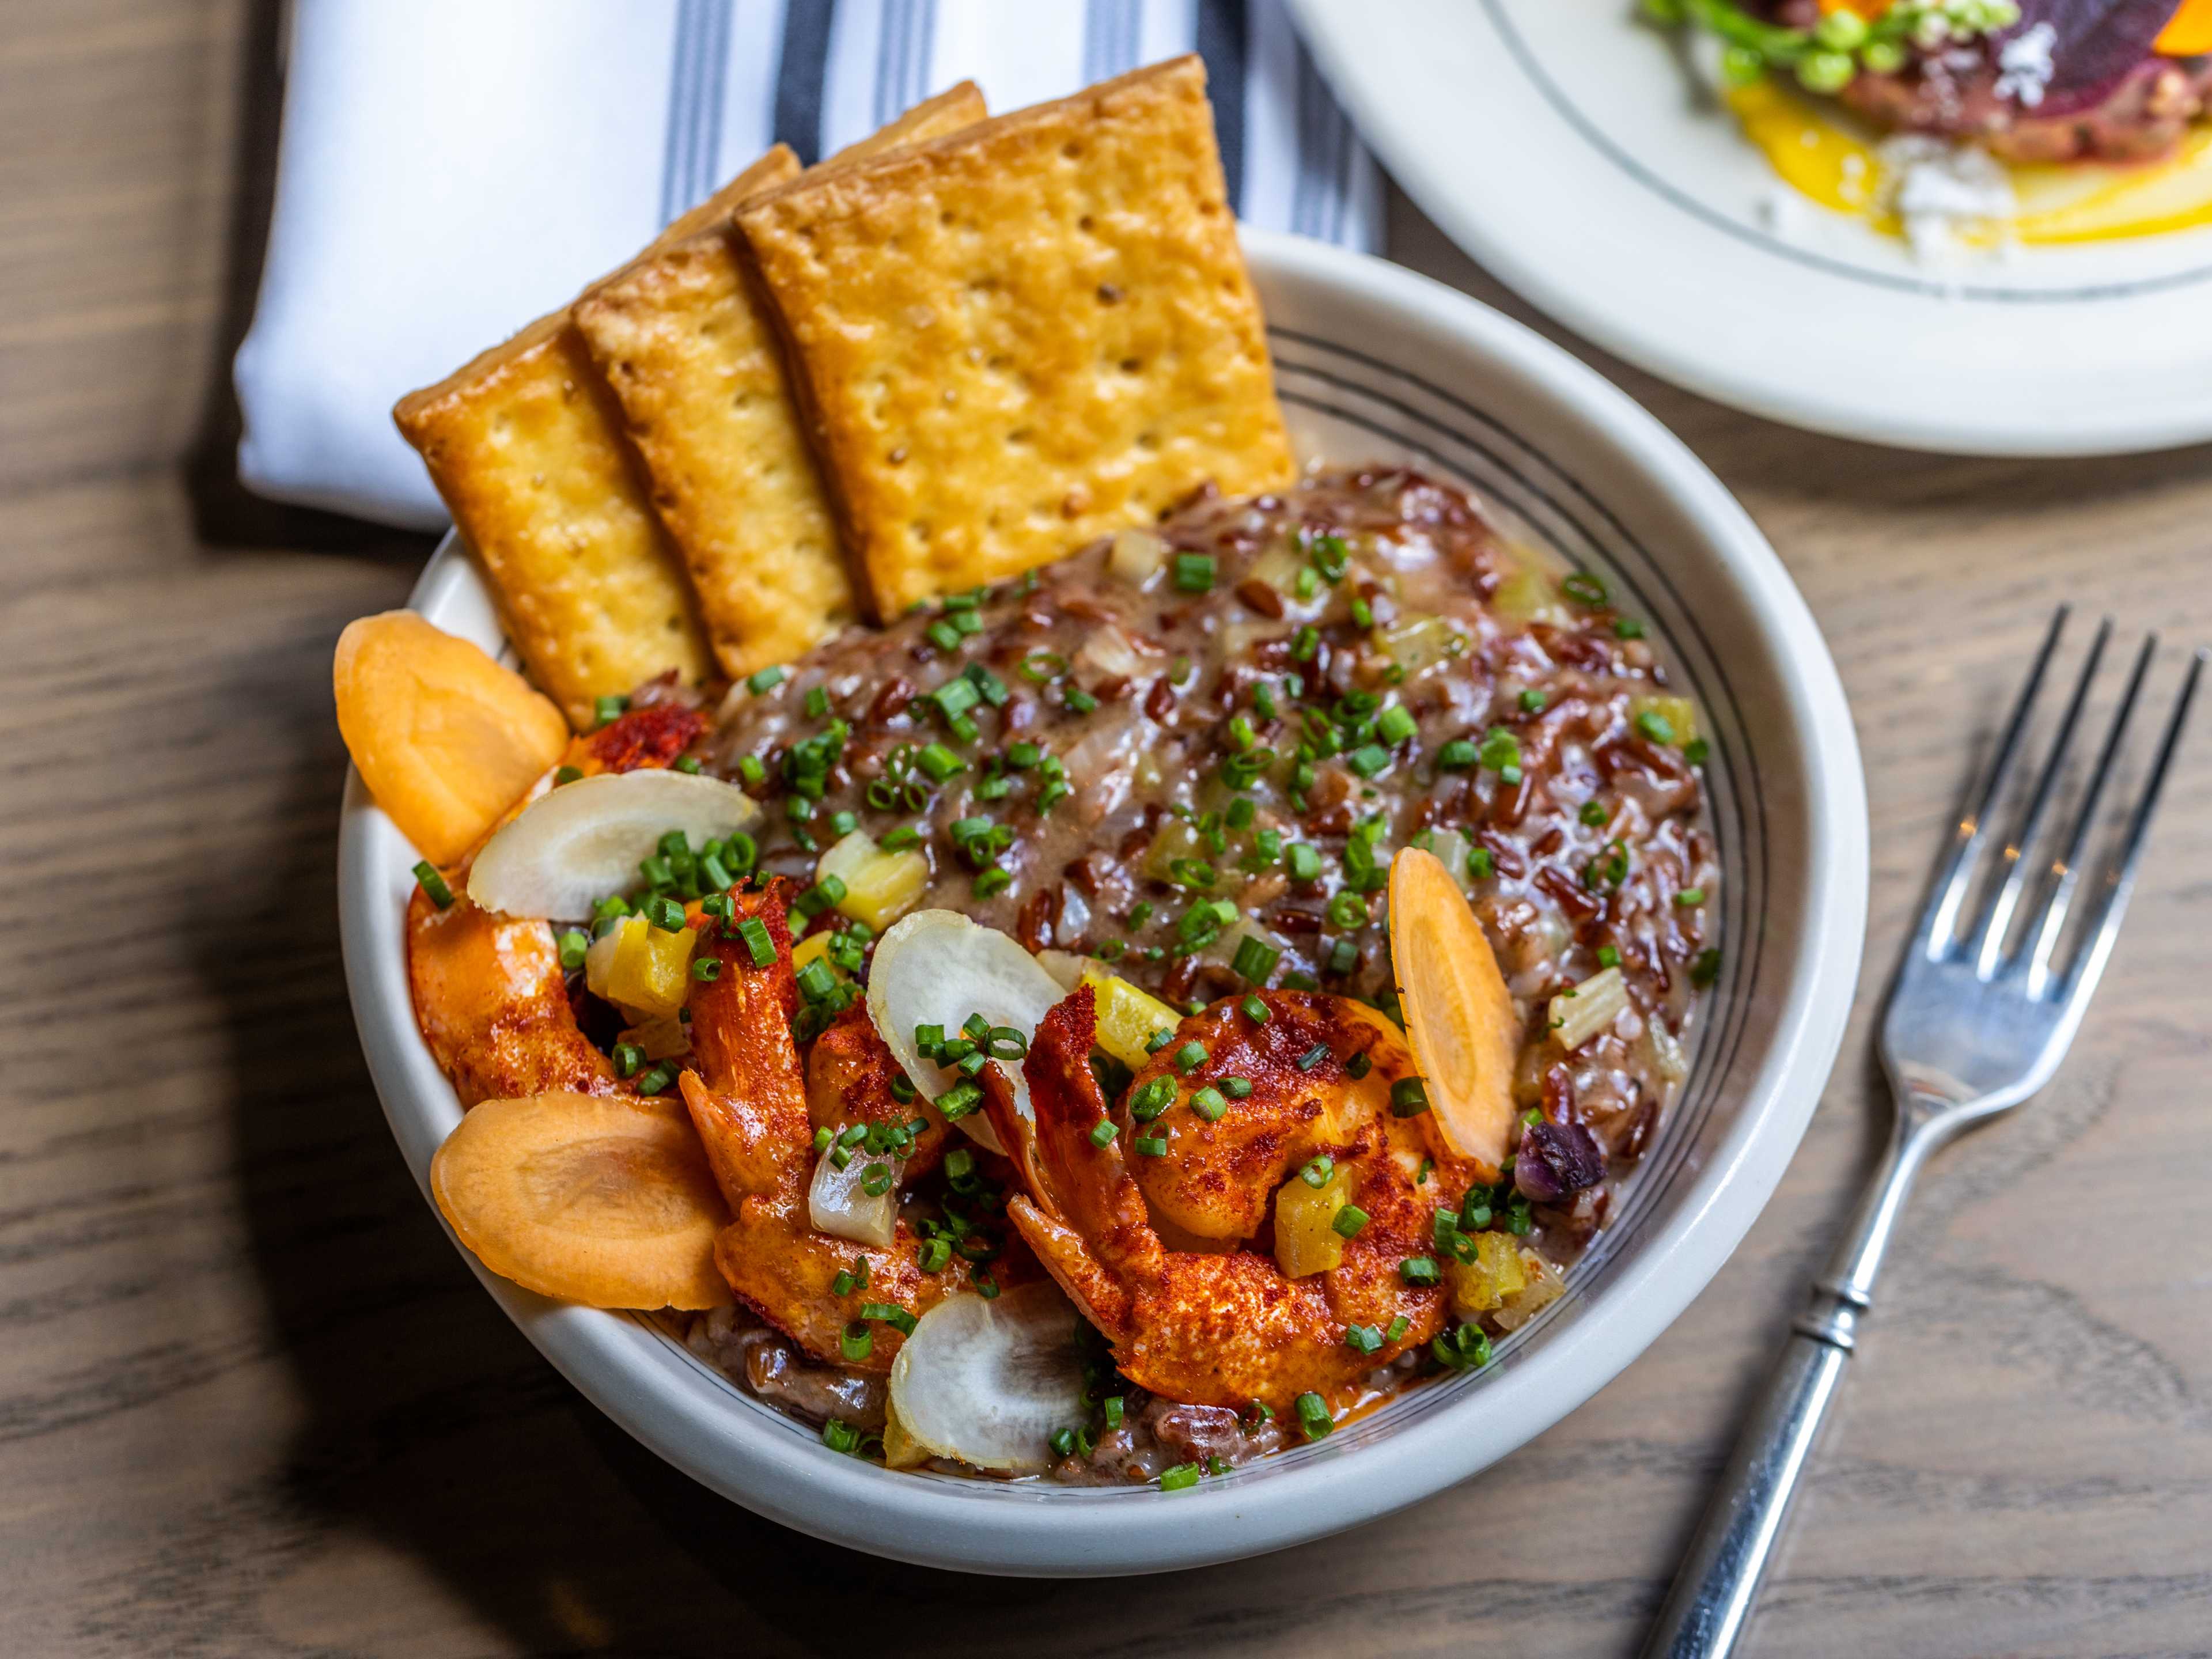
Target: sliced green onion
433, 884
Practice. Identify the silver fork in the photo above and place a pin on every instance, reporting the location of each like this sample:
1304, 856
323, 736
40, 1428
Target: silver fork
1975, 1025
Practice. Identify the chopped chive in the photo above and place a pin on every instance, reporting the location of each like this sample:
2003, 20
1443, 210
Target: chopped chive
1368, 760
706, 969
1189, 1057
1149, 1146
943, 635
574, 944
1409, 1098
1609, 955
1236, 1088
841, 1437
1655, 727
1363, 1339
857, 1342
1706, 969
1152, 1099
433, 884
1079, 700
888, 1313
818, 702
1399, 1327
1419, 1270
1696, 751
1194, 572
754, 932
629, 1059
763, 679
1396, 724
1209, 1104
750, 768
939, 761
1313, 1415
1159, 1040
1317, 1173
656, 1079
1180, 1477
1628, 628
1348, 1222
996, 879
607, 710
1457, 756
566, 774
1102, 1133
1254, 1010
1689, 898
1313, 1057
1305, 862
1256, 958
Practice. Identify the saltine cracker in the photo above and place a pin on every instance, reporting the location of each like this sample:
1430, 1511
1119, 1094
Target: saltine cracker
692, 358
1022, 337
524, 444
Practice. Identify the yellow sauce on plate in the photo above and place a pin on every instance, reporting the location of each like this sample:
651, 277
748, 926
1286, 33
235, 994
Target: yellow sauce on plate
1825, 156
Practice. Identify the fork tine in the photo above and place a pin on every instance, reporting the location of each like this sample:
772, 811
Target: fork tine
2090, 963
1990, 950
1940, 919
2066, 869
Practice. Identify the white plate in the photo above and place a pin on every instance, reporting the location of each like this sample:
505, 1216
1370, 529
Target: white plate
1560, 142
1373, 364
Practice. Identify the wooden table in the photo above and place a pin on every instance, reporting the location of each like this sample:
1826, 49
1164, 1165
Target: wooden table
252, 1403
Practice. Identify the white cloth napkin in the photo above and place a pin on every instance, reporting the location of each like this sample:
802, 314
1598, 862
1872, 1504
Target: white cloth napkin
450, 169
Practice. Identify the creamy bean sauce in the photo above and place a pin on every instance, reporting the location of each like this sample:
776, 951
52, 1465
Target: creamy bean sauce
1192, 752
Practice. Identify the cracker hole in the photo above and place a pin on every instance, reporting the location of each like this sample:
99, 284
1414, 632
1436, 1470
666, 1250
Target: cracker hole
1086, 224
1073, 150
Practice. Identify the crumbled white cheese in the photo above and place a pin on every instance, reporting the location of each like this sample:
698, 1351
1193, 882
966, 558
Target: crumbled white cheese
1941, 190
2024, 65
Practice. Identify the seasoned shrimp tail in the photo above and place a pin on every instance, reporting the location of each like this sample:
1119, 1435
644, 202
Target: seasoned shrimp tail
1226, 1324
843, 1302
492, 1001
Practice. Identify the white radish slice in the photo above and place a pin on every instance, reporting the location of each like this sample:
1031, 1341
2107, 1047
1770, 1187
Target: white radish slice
583, 840
990, 1381
937, 968
837, 1206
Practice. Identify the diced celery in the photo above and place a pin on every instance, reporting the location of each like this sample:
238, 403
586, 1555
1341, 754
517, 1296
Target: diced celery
1590, 1008
662, 1037
1531, 595
1417, 643
1127, 1017
1306, 1239
880, 887
1543, 1287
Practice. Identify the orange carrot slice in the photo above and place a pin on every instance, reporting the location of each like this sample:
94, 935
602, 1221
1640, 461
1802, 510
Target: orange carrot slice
445, 738
602, 1199
1459, 1016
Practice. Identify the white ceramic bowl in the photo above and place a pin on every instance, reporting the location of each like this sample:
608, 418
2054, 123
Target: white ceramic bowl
1373, 364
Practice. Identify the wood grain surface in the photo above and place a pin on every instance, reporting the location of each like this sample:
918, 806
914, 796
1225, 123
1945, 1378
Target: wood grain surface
250, 1402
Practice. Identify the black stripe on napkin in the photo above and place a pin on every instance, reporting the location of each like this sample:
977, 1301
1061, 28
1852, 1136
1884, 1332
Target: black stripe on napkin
1225, 46
800, 70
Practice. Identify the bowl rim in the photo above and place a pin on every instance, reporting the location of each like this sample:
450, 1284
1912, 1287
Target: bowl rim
788, 1478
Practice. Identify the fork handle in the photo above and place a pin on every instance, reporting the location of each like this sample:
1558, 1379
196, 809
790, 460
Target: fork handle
1706, 1610
1718, 1583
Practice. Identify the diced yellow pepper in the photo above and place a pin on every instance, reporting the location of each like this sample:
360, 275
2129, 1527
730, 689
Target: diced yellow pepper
1483, 1285
1680, 714
1127, 1016
651, 972
1306, 1239
880, 887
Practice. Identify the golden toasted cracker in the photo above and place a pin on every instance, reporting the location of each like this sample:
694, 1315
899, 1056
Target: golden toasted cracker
692, 358
1017, 338
525, 446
